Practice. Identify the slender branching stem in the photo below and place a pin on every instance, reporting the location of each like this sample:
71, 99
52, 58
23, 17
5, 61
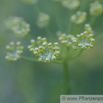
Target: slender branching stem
49, 34
76, 30
28, 38
37, 9
69, 23
57, 16
83, 6
58, 61
36, 60
93, 18
29, 59
47, 29
98, 38
77, 55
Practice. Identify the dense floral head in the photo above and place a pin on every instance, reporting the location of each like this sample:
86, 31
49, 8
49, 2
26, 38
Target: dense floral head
65, 39
43, 20
79, 17
82, 41
45, 51
14, 51
96, 8
18, 26
70, 4
88, 28
32, 2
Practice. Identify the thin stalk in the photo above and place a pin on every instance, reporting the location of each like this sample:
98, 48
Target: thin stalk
77, 55
49, 34
58, 62
69, 23
35, 60
66, 70
68, 52
37, 9
93, 18
28, 38
29, 59
99, 37
83, 5
76, 29
57, 16
66, 77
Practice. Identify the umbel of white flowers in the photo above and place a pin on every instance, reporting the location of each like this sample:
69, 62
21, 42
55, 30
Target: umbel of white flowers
14, 51
96, 8
18, 26
43, 20
45, 51
79, 17
82, 41
69, 4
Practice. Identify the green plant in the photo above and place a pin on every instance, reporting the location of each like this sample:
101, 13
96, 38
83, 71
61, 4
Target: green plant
69, 45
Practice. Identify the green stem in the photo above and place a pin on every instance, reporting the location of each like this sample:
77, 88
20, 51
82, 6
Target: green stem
69, 23
35, 60
28, 38
37, 9
58, 62
29, 59
49, 34
83, 5
99, 37
93, 18
76, 29
77, 55
57, 16
66, 77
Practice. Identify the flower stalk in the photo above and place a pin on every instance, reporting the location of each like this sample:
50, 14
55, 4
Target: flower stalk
66, 77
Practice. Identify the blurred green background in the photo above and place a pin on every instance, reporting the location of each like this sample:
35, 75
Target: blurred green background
29, 82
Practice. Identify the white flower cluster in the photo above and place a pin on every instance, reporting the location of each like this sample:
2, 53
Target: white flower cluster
83, 41
70, 4
79, 17
43, 20
18, 26
14, 51
96, 8
45, 51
